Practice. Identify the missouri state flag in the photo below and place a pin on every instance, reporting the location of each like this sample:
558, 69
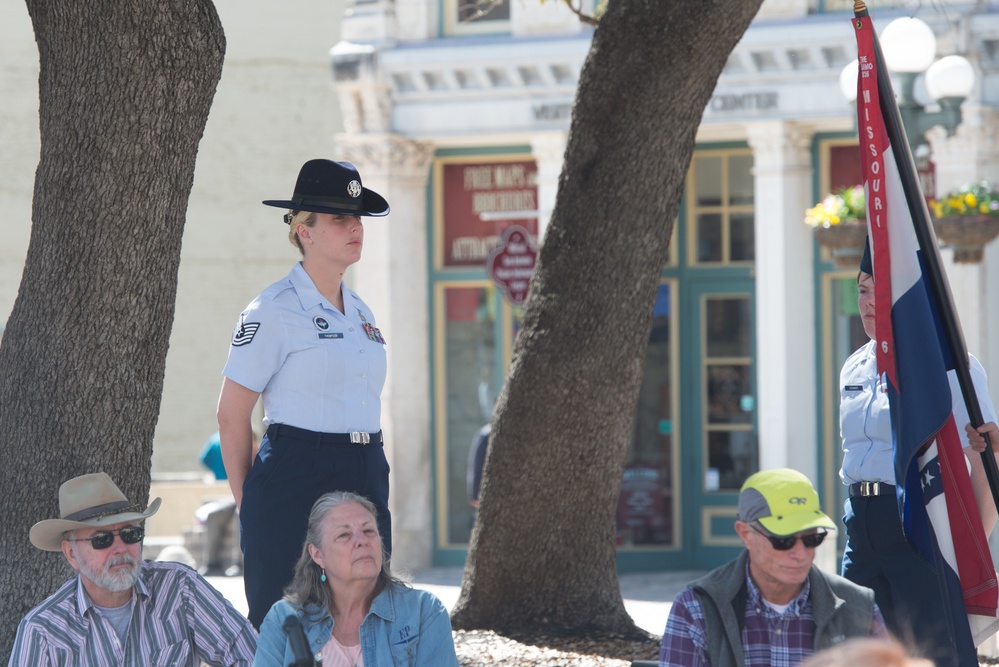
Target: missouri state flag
939, 514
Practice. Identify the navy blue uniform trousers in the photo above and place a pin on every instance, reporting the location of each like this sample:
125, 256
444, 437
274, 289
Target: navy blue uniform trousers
289, 474
905, 587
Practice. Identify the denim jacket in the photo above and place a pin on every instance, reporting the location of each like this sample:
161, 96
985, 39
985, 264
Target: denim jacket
405, 627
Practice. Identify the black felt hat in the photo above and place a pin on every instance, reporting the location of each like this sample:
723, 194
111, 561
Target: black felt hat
865, 260
325, 186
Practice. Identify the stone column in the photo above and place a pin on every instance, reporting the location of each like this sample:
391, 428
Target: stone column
548, 149
785, 318
972, 154
786, 382
392, 279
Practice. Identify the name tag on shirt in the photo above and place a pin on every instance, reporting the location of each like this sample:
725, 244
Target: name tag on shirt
326, 336
853, 387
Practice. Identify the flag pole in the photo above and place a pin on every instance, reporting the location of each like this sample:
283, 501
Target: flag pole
925, 236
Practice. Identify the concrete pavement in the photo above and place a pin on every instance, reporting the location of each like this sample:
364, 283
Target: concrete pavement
647, 595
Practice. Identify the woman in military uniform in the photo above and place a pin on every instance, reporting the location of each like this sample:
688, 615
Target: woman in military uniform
308, 346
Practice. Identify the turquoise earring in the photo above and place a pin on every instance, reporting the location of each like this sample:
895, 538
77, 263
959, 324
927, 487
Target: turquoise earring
322, 578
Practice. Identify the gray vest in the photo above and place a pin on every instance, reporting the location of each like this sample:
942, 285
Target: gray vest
841, 609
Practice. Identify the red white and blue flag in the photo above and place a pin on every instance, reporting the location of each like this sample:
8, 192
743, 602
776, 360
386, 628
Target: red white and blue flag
939, 513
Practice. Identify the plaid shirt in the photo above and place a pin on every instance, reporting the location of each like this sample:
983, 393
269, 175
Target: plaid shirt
177, 619
769, 638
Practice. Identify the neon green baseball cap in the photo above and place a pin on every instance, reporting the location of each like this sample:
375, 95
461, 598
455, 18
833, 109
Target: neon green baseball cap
783, 501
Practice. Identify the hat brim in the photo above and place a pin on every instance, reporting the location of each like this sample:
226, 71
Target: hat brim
789, 524
372, 204
47, 535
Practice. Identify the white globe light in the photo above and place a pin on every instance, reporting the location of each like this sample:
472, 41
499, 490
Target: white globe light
909, 45
848, 81
952, 76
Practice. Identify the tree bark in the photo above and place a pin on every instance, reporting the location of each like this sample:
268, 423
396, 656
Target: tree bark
542, 553
125, 88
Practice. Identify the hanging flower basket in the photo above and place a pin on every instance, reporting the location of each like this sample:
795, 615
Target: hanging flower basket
966, 219
844, 241
967, 235
840, 225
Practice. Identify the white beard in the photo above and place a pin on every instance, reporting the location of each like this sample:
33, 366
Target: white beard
117, 581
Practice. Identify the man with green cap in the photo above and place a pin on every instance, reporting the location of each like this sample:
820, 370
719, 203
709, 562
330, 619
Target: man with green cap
771, 605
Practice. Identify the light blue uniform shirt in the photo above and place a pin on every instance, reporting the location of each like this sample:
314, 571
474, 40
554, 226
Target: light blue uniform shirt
405, 626
316, 368
865, 423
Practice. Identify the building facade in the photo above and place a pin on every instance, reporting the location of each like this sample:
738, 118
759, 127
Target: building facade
461, 122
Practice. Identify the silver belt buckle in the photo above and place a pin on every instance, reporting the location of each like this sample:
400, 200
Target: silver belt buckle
870, 488
360, 437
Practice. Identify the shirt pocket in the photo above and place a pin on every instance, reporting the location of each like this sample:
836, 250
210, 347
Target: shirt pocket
404, 651
171, 655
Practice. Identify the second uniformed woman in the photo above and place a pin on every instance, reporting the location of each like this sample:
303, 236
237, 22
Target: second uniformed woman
310, 348
877, 554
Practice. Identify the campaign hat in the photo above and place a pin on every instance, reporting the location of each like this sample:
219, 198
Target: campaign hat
866, 265
325, 186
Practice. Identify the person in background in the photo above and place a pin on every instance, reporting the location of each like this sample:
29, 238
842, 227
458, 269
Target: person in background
218, 517
877, 553
119, 609
476, 461
351, 609
771, 605
308, 346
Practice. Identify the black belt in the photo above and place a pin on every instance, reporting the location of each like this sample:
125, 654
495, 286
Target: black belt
865, 489
353, 438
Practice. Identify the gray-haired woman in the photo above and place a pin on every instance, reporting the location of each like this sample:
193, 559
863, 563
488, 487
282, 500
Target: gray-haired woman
353, 611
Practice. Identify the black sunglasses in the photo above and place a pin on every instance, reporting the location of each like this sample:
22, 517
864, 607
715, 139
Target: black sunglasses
786, 543
105, 538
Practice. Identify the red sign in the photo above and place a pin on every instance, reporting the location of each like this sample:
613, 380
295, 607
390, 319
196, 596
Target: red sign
511, 264
479, 201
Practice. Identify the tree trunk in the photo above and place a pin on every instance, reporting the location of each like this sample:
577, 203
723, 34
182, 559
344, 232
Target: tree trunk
542, 552
125, 88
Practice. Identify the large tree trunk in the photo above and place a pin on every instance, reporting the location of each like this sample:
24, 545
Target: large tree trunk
542, 553
125, 87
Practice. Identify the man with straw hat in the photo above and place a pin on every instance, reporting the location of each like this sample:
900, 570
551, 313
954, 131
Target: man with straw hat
771, 605
119, 609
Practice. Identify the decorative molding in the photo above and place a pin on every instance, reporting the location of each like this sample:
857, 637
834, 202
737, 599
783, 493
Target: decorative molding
387, 156
779, 147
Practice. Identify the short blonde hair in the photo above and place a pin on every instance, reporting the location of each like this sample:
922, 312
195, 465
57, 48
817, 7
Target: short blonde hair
307, 218
866, 652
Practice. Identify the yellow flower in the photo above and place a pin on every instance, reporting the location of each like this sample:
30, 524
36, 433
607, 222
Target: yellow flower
971, 199
837, 207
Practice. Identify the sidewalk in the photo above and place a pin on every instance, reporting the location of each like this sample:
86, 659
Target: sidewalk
647, 595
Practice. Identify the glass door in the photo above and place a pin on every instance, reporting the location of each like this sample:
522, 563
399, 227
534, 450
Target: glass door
647, 511
724, 447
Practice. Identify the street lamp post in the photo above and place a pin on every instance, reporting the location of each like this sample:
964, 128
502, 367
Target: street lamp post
909, 48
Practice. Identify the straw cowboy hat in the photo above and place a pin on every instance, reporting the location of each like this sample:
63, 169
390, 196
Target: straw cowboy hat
325, 186
87, 501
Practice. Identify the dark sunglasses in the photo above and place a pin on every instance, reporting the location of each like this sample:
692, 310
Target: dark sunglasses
786, 543
105, 538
